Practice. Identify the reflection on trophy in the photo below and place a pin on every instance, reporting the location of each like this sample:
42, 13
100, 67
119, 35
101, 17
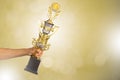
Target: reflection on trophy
47, 28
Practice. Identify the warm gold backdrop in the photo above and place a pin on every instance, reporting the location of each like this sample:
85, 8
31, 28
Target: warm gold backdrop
80, 49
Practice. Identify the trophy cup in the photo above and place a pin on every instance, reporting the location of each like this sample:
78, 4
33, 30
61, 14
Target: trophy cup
47, 28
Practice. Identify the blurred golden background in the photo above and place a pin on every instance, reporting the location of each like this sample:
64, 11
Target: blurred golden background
86, 46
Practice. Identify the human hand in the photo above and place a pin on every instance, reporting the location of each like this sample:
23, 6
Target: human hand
36, 52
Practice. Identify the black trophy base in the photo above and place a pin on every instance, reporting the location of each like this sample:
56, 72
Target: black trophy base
33, 65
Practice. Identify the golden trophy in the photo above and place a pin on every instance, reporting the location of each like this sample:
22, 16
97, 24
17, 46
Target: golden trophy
47, 28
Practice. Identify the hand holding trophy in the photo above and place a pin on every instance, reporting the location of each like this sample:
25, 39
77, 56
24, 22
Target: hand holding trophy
46, 30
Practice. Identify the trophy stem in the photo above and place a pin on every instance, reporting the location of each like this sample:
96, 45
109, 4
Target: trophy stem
33, 65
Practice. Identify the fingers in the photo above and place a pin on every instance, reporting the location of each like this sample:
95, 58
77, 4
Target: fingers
38, 53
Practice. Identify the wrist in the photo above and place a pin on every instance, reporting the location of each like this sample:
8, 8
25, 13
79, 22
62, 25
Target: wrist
30, 51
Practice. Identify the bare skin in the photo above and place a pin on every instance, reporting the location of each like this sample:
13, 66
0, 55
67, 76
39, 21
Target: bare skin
6, 53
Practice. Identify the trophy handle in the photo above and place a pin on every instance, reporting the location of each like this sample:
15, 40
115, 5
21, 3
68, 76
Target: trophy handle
33, 65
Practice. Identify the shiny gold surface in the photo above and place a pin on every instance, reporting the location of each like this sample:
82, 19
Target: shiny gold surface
55, 6
80, 50
42, 41
54, 10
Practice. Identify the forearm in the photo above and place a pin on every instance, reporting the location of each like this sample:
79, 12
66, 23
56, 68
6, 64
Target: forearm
6, 53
